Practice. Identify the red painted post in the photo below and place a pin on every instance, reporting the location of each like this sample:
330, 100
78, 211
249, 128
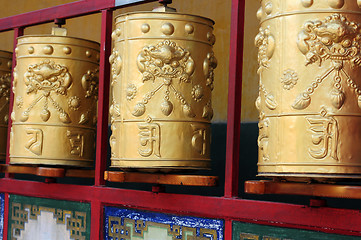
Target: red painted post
17, 33
234, 99
96, 229
6, 216
103, 97
228, 230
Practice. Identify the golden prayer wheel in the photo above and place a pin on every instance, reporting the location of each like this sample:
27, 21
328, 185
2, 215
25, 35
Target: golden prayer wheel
162, 79
5, 78
310, 89
55, 94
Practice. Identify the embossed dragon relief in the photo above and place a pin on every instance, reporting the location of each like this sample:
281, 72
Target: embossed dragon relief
52, 80
166, 63
49, 79
337, 40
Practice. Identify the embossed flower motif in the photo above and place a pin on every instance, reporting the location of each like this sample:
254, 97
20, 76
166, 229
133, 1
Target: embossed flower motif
19, 102
197, 93
74, 103
289, 79
131, 91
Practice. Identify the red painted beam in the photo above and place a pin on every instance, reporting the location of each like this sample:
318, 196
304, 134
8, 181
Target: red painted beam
46, 15
69, 10
341, 221
234, 99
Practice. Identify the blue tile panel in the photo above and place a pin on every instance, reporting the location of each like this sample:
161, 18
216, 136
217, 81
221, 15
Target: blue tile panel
121, 224
2, 198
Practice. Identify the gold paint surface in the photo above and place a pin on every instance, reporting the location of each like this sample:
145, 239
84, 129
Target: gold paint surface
55, 94
5, 78
162, 79
209, 9
309, 95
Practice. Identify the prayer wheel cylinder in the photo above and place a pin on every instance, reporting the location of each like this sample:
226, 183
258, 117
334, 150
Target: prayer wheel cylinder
162, 79
310, 89
5, 78
55, 95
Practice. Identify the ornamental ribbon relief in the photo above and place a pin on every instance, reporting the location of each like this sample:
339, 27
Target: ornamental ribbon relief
309, 93
265, 42
55, 95
161, 91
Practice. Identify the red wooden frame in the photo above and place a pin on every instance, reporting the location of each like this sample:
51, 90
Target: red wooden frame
229, 207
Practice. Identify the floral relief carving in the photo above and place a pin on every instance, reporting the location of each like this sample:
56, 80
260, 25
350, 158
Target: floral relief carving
289, 79
131, 91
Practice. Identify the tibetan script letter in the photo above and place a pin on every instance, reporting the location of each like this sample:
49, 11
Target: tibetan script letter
76, 140
35, 143
149, 137
199, 139
324, 137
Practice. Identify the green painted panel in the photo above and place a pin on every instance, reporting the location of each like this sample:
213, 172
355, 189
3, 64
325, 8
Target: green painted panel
48, 219
248, 231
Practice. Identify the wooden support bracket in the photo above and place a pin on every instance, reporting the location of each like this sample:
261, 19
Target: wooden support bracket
166, 179
306, 189
51, 172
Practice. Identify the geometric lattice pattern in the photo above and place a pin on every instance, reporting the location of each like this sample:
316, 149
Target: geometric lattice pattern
73, 216
124, 224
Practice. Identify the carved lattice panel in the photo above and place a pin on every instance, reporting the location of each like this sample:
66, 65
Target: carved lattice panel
124, 224
44, 219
